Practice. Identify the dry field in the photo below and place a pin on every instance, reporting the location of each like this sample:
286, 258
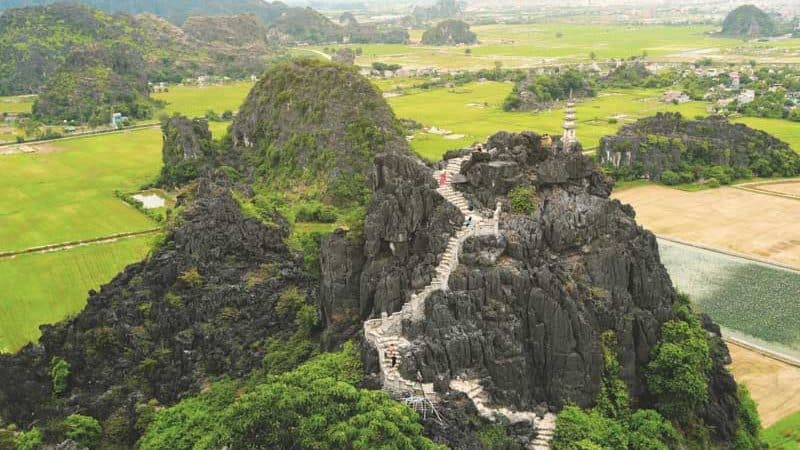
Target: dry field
788, 188
774, 385
761, 225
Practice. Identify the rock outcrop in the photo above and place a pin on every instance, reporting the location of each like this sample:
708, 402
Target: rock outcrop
187, 148
668, 142
517, 325
201, 306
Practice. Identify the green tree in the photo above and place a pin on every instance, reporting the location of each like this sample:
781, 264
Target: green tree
678, 373
29, 440
59, 374
84, 430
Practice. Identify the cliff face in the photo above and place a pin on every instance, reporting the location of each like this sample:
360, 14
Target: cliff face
202, 305
523, 311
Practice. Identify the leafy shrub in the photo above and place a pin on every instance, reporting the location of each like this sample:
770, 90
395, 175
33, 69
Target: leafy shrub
677, 374
494, 437
59, 373
290, 300
670, 178
523, 200
84, 430
191, 278
29, 440
712, 183
575, 425
316, 213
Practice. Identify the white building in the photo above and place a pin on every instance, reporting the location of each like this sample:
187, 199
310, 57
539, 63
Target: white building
746, 96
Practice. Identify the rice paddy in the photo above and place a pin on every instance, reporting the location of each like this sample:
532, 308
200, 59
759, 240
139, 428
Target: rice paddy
44, 288
535, 44
474, 111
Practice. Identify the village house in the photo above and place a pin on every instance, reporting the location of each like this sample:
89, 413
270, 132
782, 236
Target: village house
734, 76
675, 97
746, 96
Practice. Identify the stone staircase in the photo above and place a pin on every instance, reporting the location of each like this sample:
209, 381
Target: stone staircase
385, 332
544, 426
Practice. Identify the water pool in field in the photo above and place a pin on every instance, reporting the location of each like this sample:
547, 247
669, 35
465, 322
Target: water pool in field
150, 201
747, 297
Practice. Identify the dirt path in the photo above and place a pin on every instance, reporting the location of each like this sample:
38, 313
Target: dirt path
774, 385
746, 222
73, 244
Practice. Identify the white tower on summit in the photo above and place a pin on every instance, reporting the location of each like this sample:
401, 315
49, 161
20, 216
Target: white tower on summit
570, 138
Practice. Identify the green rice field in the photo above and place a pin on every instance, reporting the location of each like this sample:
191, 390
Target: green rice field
784, 435
784, 130
750, 299
47, 287
548, 43
474, 111
194, 101
18, 104
66, 192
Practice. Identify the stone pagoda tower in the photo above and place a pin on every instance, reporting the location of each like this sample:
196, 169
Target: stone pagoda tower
570, 138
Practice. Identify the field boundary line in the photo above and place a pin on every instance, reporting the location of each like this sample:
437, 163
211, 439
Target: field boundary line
754, 187
81, 135
755, 259
69, 245
761, 350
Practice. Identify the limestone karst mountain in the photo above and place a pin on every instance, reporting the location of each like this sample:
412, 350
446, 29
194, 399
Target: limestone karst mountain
748, 21
501, 283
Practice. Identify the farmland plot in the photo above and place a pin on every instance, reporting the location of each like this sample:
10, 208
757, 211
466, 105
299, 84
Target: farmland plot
751, 299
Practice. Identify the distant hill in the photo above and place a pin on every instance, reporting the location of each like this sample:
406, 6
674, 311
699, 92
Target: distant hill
36, 41
94, 83
748, 21
442, 9
284, 24
449, 32
176, 11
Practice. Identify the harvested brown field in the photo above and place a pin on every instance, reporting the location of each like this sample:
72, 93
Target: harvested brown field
791, 188
761, 225
774, 385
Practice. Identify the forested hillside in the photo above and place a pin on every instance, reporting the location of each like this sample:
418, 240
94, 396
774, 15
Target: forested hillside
176, 11
35, 42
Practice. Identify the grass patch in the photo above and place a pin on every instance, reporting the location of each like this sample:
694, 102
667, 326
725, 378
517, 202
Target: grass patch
784, 435
46, 287
67, 193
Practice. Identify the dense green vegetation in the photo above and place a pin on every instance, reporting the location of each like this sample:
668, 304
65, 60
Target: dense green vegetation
317, 405
35, 42
94, 83
677, 378
540, 91
748, 21
321, 148
673, 150
449, 32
